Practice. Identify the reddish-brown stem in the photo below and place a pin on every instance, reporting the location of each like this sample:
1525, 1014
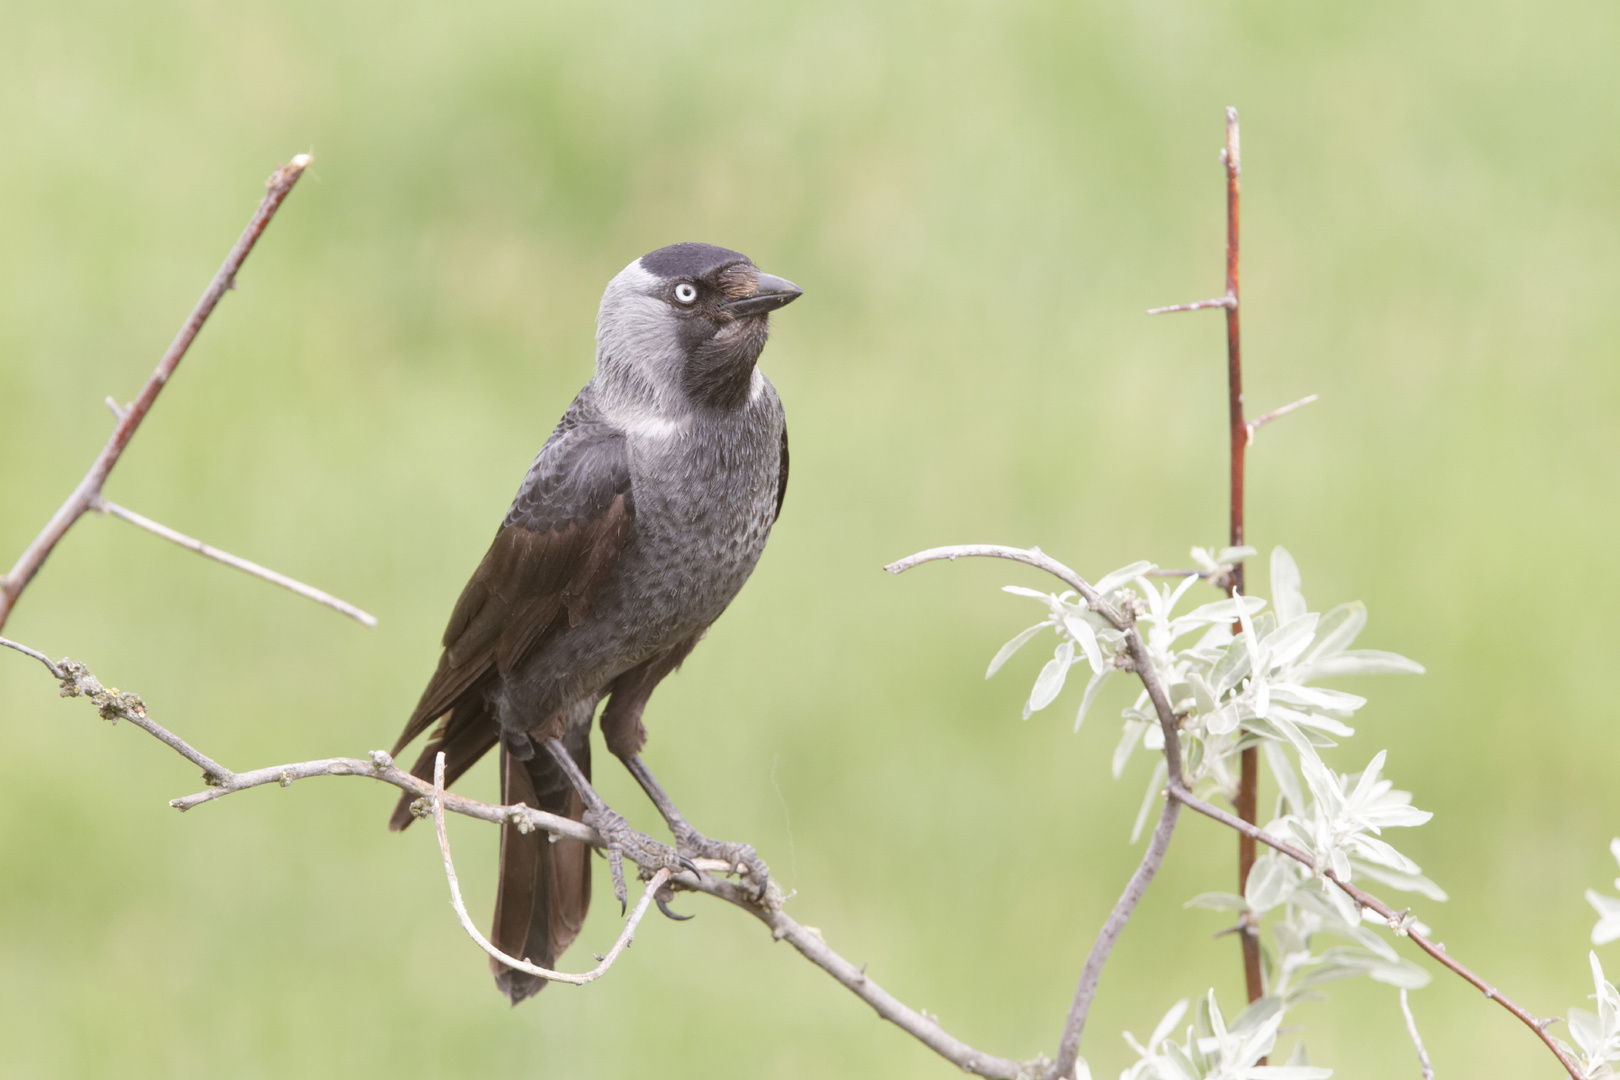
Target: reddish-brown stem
1397, 919
78, 503
1238, 425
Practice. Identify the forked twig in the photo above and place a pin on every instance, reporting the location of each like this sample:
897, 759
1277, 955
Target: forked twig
88, 490
625, 937
208, 551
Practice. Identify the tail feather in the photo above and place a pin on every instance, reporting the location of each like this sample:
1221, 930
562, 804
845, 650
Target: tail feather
466, 735
545, 884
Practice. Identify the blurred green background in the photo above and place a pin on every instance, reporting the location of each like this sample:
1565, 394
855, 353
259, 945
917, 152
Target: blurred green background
980, 200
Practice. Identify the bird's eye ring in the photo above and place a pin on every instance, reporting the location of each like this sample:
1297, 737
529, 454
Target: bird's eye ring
685, 292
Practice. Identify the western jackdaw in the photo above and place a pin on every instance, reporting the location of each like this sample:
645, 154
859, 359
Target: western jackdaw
638, 522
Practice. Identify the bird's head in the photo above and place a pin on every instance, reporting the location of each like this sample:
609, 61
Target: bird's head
685, 324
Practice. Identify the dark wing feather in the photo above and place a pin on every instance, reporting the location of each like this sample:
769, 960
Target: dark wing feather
560, 539
781, 475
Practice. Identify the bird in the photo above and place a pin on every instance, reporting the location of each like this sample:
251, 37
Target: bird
640, 519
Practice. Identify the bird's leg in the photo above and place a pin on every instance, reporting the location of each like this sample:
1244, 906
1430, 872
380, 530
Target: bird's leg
648, 854
693, 844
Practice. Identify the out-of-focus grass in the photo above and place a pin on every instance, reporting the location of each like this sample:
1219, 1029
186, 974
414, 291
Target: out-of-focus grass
979, 200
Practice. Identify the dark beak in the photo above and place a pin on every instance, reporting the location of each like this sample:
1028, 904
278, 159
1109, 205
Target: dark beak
773, 292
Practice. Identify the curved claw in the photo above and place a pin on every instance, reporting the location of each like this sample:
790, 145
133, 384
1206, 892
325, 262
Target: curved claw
668, 914
688, 864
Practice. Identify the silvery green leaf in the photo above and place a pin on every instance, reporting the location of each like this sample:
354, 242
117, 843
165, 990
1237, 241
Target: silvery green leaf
1337, 630
1124, 574
1217, 1023
1082, 1071
1264, 624
1259, 696
1219, 901
1203, 693
1097, 680
1324, 784
1168, 1024
1335, 703
1232, 667
1287, 779
1205, 558
1285, 644
1086, 637
1050, 681
1234, 554
1161, 773
1396, 880
1286, 1072
1256, 1014
1270, 883
1363, 662
1248, 639
1223, 719
1019, 590
1348, 961
1202, 1026
1178, 1060
1013, 646
1286, 596
1586, 1031
1194, 751
1216, 612
1614, 849
1608, 924
1376, 851
1128, 742
1309, 720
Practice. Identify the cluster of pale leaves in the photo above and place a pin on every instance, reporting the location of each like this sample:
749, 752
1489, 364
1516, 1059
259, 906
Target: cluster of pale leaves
1231, 690
1598, 1034
1211, 1050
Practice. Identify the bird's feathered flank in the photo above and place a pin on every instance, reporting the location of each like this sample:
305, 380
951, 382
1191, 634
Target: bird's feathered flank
561, 538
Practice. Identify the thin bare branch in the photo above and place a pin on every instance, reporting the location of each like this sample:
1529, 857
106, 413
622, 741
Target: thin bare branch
1417, 1040
625, 937
56, 672
1399, 921
1276, 414
34, 556
1228, 302
116, 409
1030, 556
807, 940
208, 551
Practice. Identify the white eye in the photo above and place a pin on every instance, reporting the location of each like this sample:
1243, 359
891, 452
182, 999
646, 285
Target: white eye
685, 292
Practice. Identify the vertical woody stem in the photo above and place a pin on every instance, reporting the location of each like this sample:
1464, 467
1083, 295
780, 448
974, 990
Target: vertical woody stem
1249, 779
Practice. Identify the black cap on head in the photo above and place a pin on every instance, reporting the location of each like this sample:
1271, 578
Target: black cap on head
690, 260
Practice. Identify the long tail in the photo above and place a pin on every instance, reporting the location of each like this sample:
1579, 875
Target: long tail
545, 885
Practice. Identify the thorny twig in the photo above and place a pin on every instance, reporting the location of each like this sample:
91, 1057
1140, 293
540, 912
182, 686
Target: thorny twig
87, 495
77, 681
1241, 434
1176, 793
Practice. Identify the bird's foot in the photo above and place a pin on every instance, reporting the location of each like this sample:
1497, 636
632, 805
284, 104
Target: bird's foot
740, 857
623, 842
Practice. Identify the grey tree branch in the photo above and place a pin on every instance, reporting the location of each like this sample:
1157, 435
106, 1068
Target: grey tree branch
78, 681
1085, 993
1399, 921
106, 506
129, 419
1177, 793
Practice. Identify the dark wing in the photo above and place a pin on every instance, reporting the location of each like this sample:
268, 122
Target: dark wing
781, 475
564, 532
